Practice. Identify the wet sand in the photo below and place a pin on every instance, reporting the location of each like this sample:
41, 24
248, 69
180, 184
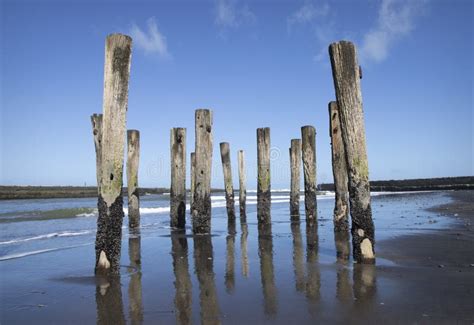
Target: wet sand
244, 274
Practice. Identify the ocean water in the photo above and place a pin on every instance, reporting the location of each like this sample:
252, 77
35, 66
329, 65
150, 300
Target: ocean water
236, 275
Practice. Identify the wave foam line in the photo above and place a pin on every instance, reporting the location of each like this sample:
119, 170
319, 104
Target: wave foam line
41, 251
46, 236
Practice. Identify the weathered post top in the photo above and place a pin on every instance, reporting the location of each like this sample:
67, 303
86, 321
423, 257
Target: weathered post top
346, 75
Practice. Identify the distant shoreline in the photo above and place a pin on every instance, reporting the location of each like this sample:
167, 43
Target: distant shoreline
56, 192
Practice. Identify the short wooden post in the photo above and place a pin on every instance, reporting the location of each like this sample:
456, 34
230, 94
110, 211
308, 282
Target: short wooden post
182, 283
308, 149
193, 175
242, 186
133, 158
118, 50
178, 178
96, 120
201, 211
345, 70
339, 170
229, 186
264, 198
295, 166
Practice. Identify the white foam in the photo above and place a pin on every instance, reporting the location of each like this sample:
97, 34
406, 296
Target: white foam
19, 255
46, 236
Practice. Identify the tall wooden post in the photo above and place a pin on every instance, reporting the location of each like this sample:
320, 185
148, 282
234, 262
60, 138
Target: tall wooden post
229, 187
133, 157
118, 50
96, 120
339, 170
346, 75
201, 211
264, 198
242, 186
178, 178
308, 148
295, 165
193, 175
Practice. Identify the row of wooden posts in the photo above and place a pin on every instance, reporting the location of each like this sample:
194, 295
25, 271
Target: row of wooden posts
349, 161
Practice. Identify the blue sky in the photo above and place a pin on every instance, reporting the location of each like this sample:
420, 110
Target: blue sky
255, 63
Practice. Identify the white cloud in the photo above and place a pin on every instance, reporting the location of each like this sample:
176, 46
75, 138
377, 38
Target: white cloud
396, 19
151, 41
230, 15
307, 14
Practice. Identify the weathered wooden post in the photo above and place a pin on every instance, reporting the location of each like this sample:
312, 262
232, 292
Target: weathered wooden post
133, 157
242, 186
295, 165
193, 175
339, 170
264, 198
308, 149
229, 187
118, 50
96, 120
178, 178
346, 75
201, 210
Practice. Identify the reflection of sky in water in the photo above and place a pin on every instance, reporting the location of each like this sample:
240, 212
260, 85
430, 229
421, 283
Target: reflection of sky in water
236, 275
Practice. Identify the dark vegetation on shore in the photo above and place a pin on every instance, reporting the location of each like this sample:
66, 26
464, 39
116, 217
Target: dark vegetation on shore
50, 192
60, 192
421, 184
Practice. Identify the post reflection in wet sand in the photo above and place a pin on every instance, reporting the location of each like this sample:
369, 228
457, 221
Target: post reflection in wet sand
135, 286
298, 256
365, 283
243, 248
343, 285
108, 298
313, 281
183, 286
204, 268
230, 256
265, 252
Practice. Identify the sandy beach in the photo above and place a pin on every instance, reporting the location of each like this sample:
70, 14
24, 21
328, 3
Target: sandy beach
288, 272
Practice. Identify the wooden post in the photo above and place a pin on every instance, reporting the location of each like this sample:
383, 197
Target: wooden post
264, 199
339, 170
308, 149
229, 186
178, 178
133, 157
96, 120
118, 50
193, 175
182, 283
345, 70
201, 211
242, 186
295, 165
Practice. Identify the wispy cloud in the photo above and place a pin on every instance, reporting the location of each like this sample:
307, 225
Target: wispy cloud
228, 14
396, 19
308, 13
151, 41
